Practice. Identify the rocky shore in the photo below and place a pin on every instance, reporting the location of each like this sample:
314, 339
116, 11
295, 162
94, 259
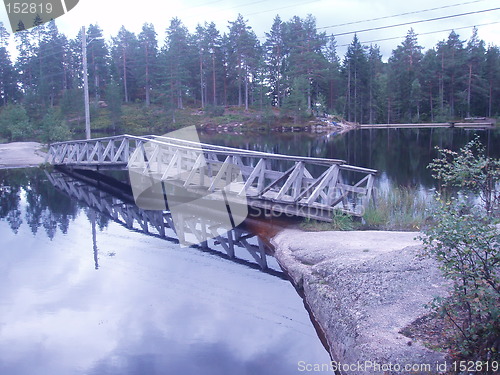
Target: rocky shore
364, 288
21, 155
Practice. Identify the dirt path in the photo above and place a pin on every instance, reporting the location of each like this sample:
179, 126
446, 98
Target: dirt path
21, 155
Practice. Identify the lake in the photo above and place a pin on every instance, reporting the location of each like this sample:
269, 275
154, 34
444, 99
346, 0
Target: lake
82, 293
400, 155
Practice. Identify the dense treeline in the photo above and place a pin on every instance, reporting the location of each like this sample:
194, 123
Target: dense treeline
295, 69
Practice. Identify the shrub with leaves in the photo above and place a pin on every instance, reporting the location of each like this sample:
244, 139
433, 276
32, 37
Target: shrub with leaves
15, 124
467, 247
470, 170
214, 111
53, 127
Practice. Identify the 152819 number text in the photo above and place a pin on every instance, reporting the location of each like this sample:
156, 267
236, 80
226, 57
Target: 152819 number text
28, 8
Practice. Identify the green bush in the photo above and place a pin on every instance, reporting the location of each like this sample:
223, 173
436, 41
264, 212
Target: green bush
471, 171
467, 247
214, 111
53, 127
15, 124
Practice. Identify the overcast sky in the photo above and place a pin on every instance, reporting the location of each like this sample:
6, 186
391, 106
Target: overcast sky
110, 15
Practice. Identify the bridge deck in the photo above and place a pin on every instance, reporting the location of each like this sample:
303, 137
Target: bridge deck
302, 186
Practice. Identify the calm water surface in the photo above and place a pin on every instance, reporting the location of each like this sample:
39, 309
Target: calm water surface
126, 303
400, 155
122, 302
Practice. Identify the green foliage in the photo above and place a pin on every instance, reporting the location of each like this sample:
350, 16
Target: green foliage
72, 103
399, 208
470, 170
295, 105
53, 127
296, 69
14, 123
114, 102
342, 221
267, 117
214, 111
467, 247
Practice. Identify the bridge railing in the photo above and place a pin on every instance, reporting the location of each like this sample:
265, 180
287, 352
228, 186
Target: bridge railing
304, 186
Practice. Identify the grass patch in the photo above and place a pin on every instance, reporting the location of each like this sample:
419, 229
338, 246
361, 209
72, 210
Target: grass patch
401, 208
340, 221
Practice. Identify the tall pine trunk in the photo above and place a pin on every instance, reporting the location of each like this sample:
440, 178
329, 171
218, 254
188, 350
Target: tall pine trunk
125, 75
213, 79
148, 100
246, 88
469, 87
201, 83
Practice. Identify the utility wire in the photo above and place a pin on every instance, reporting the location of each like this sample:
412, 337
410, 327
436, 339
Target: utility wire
285, 7
400, 14
415, 22
419, 34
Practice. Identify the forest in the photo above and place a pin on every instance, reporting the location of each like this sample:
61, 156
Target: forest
291, 75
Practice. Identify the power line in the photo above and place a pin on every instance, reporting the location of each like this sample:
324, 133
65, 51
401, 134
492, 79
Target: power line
285, 7
400, 14
419, 34
415, 22
249, 4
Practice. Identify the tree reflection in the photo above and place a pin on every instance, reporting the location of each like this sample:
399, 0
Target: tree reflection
29, 190
403, 154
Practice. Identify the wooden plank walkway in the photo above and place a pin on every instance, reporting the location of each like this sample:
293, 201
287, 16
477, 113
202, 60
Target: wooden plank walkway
300, 186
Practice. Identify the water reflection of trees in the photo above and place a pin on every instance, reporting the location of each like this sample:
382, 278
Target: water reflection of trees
43, 206
403, 154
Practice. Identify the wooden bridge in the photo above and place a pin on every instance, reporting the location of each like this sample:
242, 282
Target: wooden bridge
299, 186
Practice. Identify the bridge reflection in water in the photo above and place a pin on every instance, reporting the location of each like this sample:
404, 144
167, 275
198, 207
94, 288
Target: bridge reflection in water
114, 200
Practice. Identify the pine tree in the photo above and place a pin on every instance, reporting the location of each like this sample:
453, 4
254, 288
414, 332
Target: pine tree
306, 59
355, 71
275, 57
177, 55
334, 78
493, 77
8, 76
124, 51
404, 78
453, 75
147, 60
97, 57
51, 56
476, 82
213, 44
25, 63
244, 55
199, 41
375, 84
431, 82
